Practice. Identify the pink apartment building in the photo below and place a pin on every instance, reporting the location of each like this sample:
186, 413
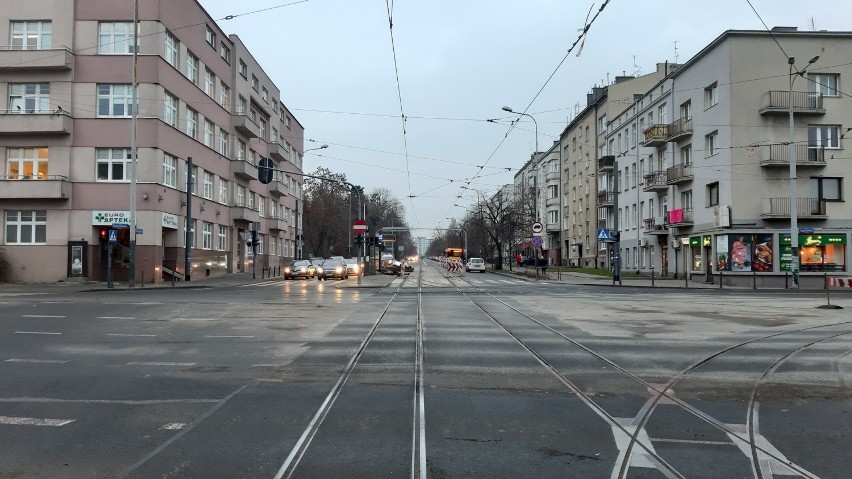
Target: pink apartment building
65, 144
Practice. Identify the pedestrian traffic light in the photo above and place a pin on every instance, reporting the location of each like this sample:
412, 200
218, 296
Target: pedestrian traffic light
265, 171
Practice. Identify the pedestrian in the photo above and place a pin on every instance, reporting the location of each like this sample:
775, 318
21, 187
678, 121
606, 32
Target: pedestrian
519, 260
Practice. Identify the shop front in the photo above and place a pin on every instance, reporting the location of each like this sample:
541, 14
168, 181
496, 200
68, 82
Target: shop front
110, 256
819, 253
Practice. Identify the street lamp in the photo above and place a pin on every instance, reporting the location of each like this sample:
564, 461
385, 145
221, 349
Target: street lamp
506, 108
791, 157
323, 146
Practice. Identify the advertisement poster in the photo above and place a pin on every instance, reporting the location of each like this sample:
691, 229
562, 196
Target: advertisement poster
722, 260
762, 254
740, 253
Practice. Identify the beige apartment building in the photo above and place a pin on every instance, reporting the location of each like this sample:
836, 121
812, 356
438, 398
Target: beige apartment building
65, 145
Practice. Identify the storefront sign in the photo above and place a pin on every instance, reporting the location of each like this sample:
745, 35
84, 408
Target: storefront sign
107, 218
818, 253
706, 241
170, 221
695, 241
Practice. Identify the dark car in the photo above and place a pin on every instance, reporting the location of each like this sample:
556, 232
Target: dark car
299, 269
332, 268
314, 264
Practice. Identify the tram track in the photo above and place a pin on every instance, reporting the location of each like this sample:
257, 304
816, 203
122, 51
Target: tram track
660, 393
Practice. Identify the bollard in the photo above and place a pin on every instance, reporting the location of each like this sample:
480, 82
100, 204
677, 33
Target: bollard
720, 278
652, 277
753, 278
786, 285
143, 278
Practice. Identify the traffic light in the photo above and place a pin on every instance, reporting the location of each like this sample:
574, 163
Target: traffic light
265, 171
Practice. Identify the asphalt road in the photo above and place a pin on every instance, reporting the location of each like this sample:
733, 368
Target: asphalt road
431, 375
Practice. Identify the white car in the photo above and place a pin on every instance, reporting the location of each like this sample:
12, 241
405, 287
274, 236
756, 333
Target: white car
475, 264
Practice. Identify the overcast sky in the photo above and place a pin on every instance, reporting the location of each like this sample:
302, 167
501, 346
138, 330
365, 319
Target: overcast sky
459, 62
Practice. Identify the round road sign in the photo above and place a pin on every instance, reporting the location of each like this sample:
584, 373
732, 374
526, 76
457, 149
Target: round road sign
359, 226
537, 227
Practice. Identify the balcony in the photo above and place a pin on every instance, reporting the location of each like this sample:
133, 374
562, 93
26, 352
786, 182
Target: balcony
679, 218
551, 177
552, 228
51, 187
678, 129
277, 151
656, 226
606, 198
807, 208
606, 163
804, 103
655, 181
244, 125
679, 174
244, 169
277, 188
11, 58
35, 122
656, 135
242, 212
550, 202
277, 224
806, 157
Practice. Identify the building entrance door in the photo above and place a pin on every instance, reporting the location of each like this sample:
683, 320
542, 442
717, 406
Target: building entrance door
664, 260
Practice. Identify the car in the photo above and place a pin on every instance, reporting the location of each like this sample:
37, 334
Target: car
475, 264
352, 266
299, 269
332, 268
386, 264
315, 263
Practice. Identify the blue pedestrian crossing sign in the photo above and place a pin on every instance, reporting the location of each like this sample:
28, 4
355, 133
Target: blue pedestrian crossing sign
113, 236
603, 235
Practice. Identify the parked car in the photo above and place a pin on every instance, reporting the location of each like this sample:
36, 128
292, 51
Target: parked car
299, 269
475, 264
315, 263
332, 268
352, 266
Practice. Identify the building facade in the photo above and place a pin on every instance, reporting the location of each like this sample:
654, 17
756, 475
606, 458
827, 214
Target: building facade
703, 187
66, 138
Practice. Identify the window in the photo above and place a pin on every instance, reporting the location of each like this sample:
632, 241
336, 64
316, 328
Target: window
222, 244
686, 110
713, 194
31, 35
115, 38
274, 105
250, 200
823, 136
823, 83
206, 235
209, 83
553, 217
254, 83
191, 123
601, 124
243, 69
264, 94
663, 114
273, 209
224, 96
192, 67
686, 155
260, 205
113, 164
711, 95
172, 50
262, 128
208, 133
242, 109
210, 36
241, 150
169, 170
29, 163
827, 189
711, 145
287, 122
552, 191
274, 138
224, 140
170, 106
686, 200
223, 190
29, 97
225, 53
240, 196
115, 100
26, 227
207, 185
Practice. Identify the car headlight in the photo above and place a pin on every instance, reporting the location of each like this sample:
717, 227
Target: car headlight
287, 269
338, 269
355, 268
319, 270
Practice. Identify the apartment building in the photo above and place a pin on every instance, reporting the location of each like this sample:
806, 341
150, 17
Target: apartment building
65, 143
704, 189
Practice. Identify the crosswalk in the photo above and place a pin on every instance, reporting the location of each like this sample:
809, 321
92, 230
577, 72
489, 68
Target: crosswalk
468, 278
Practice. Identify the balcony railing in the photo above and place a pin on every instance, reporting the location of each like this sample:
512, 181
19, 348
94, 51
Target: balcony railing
44, 187
655, 181
606, 198
244, 169
679, 217
806, 156
241, 211
804, 103
655, 225
680, 128
35, 122
679, 174
656, 135
244, 124
19, 58
277, 188
277, 224
606, 162
813, 208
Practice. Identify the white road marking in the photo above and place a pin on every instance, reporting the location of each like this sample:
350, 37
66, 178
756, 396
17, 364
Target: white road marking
20, 294
34, 421
133, 335
116, 317
266, 365
692, 441
228, 336
42, 316
45, 361
138, 363
35, 332
173, 426
133, 402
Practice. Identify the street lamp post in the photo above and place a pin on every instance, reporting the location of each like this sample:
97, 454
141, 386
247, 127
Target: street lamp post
506, 108
791, 157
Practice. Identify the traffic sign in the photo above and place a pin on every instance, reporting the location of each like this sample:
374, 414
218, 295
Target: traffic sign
113, 236
537, 241
603, 235
359, 226
537, 228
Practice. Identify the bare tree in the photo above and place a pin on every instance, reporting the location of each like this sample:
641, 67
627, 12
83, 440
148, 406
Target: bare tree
326, 213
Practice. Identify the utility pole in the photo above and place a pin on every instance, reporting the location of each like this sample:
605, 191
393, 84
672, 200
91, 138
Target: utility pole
187, 260
131, 250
